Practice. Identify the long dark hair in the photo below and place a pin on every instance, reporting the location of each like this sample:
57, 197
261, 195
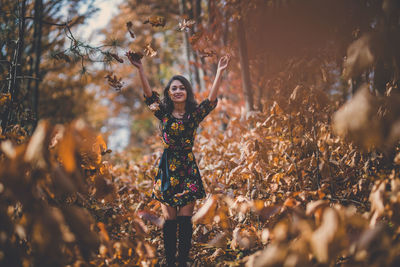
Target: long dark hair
191, 103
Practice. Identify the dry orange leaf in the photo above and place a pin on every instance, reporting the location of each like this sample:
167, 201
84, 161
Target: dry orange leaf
103, 231
66, 152
156, 21
206, 213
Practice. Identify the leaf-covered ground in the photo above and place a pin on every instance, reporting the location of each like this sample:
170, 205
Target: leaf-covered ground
283, 190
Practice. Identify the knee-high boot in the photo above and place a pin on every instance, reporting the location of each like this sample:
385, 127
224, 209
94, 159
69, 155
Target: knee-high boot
169, 231
185, 238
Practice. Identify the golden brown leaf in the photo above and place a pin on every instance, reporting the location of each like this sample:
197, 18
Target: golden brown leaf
114, 81
117, 58
66, 152
149, 51
129, 26
186, 25
206, 213
156, 21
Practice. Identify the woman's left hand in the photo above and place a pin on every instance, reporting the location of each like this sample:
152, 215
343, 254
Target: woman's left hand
223, 63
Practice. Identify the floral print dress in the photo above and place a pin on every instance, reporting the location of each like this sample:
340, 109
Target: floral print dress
178, 181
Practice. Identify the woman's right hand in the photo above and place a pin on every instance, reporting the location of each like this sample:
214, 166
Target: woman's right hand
135, 59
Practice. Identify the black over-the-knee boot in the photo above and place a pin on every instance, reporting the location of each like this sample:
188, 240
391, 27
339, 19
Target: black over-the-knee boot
185, 238
169, 231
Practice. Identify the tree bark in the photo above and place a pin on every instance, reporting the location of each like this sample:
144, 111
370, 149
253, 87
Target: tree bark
211, 6
186, 47
244, 63
196, 15
10, 114
38, 52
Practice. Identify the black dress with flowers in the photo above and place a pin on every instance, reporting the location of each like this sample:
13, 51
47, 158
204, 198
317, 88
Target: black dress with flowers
178, 181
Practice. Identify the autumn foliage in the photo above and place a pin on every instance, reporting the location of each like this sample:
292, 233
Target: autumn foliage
306, 175
278, 196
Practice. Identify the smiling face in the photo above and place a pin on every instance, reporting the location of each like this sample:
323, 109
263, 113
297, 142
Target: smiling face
177, 92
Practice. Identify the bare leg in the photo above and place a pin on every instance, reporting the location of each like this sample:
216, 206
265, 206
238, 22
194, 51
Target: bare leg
169, 233
169, 213
186, 210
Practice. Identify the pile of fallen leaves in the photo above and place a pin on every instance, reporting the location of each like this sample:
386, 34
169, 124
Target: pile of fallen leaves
283, 190
60, 203
285, 186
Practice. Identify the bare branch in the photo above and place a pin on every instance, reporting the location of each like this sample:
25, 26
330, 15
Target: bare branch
51, 23
23, 77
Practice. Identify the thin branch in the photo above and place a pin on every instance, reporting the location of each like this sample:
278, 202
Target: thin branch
5, 61
23, 77
51, 23
348, 200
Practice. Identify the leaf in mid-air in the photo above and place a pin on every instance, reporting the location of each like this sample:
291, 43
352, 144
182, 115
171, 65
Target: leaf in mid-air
185, 25
156, 21
129, 26
117, 58
149, 51
114, 81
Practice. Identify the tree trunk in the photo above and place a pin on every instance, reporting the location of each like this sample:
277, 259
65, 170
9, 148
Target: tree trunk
186, 47
244, 63
10, 114
196, 15
211, 6
38, 52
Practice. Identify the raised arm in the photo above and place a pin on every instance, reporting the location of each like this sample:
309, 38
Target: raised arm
222, 65
135, 60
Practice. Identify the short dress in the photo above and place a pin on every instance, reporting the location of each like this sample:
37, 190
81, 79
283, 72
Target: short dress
178, 180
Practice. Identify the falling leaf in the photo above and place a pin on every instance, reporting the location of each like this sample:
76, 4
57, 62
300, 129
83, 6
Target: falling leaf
155, 21
186, 25
117, 58
149, 51
359, 56
207, 53
114, 82
358, 120
61, 56
129, 26
66, 152
206, 213
36, 146
322, 238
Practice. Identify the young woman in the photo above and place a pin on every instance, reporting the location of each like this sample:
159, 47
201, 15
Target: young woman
178, 183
